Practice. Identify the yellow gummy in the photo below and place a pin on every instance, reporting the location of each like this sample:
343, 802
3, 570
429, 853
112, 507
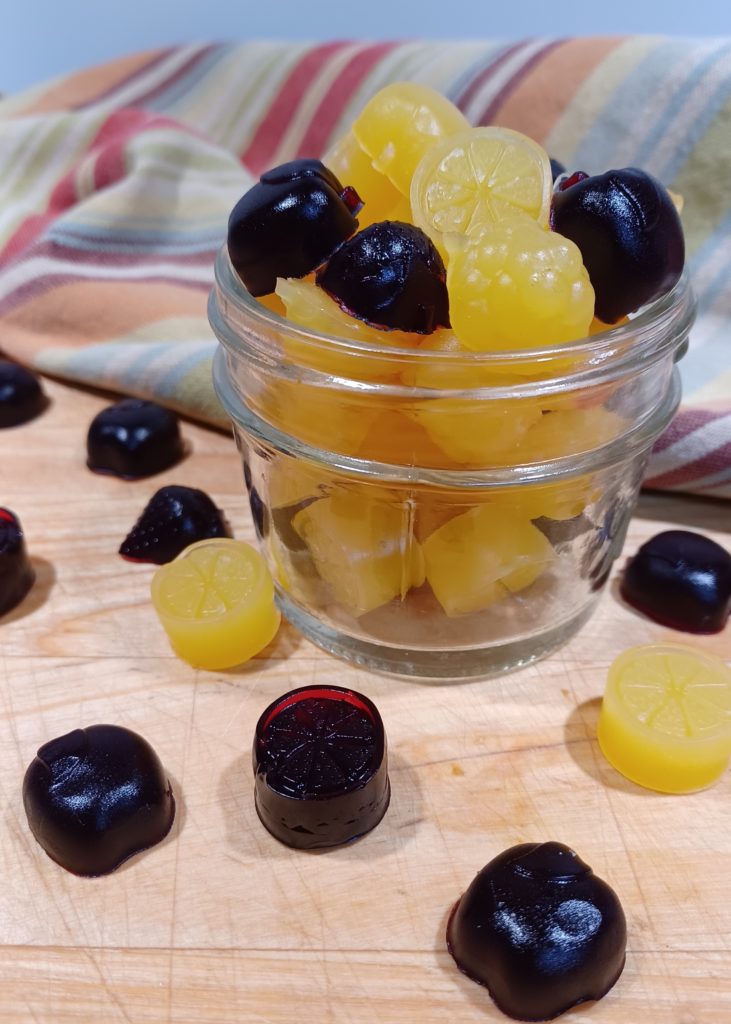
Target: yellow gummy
216, 603
363, 548
514, 286
665, 721
480, 177
352, 166
400, 124
482, 556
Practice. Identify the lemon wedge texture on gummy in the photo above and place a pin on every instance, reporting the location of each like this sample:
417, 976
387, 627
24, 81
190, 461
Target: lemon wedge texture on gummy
480, 176
216, 603
400, 124
665, 721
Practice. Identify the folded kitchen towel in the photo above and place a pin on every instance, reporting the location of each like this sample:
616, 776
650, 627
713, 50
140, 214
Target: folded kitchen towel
116, 184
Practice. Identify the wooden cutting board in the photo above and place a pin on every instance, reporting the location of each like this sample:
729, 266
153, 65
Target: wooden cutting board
220, 923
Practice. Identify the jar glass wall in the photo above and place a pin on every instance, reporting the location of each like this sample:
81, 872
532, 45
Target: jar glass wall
434, 513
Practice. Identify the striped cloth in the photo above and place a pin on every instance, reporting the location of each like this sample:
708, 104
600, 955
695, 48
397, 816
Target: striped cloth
116, 183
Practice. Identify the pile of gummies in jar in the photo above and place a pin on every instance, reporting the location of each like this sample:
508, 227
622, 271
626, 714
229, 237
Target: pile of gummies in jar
419, 232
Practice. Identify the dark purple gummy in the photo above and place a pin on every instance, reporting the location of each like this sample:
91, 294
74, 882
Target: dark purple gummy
173, 519
289, 223
630, 237
389, 275
682, 580
95, 797
133, 439
540, 931
21, 396
16, 572
557, 168
321, 767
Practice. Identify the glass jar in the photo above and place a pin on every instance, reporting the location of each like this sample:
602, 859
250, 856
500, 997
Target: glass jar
438, 514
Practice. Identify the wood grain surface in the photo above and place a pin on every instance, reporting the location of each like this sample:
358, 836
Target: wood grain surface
220, 923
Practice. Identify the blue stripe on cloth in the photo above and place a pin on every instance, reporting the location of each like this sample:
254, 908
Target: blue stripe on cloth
664, 122
596, 151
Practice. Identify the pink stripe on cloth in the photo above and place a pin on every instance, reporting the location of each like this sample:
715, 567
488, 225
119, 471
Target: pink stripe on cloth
686, 421
323, 121
514, 81
274, 122
471, 90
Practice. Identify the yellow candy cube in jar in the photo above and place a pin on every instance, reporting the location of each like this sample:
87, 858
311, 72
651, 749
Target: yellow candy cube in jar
484, 556
363, 548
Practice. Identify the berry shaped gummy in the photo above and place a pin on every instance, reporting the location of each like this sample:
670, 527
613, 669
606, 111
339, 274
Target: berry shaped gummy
630, 236
16, 572
174, 518
682, 580
390, 275
133, 439
513, 285
289, 223
540, 931
21, 395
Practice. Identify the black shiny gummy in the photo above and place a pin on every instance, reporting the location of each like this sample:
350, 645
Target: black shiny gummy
21, 396
321, 768
289, 223
95, 797
682, 580
540, 931
389, 275
629, 233
133, 439
173, 519
16, 572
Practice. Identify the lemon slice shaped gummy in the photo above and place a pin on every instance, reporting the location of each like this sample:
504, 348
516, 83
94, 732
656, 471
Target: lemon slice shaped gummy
480, 176
665, 721
216, 603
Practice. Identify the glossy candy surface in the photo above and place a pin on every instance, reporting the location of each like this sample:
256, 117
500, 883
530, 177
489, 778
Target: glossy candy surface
514, 285
216, 603
479, 178
133, 439
400, 124
390, 275
629, 233
665, 721
321, 767
682, 580
96, 796
16, 572
540, 931
289, 223
21, 395
174, 517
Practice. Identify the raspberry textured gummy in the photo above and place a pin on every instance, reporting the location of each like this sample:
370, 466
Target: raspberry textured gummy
174, 518
133, 439
95, 797
321, 767
540, 931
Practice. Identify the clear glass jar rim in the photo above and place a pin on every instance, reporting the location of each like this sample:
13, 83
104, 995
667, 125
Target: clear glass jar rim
661, 324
